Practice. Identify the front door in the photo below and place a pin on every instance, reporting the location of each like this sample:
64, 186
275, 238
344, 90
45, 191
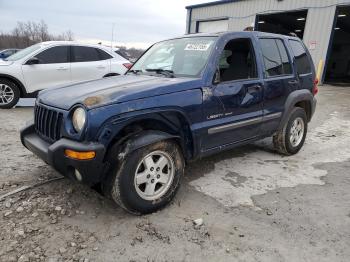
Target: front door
52, 70
234, 113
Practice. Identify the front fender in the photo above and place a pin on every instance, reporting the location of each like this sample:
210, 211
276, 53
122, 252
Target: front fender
293, 99
17, 82
188, 103
143, 139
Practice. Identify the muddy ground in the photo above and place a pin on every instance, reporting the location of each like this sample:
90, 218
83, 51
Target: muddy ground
256, 205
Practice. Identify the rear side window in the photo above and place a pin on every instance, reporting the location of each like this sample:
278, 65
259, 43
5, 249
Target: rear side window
103, 55
301, 58
54, 55
275, 57
85, 54
287, 67
120, 55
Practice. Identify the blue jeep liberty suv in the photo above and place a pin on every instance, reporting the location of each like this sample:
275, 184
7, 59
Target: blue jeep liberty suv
184, 99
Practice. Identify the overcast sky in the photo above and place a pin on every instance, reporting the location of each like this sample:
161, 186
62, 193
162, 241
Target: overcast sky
137, 22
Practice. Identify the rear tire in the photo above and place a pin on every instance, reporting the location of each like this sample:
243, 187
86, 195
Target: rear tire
139, 183
9, 94
111, 74
291, 138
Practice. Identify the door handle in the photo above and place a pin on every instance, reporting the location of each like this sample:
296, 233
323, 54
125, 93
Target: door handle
254, 88
62, 68
101, 67
293, 82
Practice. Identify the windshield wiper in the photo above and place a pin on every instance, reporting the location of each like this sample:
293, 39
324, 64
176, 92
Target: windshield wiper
168, 73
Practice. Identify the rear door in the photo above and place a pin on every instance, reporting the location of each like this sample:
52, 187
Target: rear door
238, 96
53, 69
279, 80
87, 64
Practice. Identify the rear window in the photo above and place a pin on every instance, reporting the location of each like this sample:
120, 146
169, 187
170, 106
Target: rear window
301, 58
275, 57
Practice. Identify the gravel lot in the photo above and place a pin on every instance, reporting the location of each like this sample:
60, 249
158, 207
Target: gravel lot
255, 204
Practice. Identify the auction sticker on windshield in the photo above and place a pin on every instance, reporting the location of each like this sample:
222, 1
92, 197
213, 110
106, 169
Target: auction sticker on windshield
197, 47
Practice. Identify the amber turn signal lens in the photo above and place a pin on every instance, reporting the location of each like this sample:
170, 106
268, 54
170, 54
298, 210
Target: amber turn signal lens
80, 155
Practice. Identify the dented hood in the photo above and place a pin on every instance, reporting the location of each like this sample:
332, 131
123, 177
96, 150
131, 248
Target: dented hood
117, 89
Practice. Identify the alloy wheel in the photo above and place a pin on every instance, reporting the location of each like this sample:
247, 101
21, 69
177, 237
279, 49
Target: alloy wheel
154, 175
6, 94
297, 132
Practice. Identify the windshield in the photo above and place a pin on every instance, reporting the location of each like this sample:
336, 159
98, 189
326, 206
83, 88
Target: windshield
22, 53
180, 57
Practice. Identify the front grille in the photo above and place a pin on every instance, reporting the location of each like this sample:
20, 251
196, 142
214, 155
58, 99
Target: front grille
48, 122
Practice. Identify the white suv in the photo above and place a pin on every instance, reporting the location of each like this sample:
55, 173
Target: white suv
55, 63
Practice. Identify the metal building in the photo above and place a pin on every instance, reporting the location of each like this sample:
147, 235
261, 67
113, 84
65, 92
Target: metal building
324, 26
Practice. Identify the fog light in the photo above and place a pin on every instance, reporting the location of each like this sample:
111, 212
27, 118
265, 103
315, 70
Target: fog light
80, 155
78, 175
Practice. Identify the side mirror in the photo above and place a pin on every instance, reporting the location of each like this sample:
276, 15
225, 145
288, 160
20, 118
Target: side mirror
33, 61
216, 79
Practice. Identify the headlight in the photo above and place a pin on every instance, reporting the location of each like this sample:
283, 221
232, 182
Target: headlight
79, 119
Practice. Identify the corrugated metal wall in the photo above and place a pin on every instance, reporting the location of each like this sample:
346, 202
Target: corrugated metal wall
242, 14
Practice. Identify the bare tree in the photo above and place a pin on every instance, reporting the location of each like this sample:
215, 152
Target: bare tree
29, 33
66, 36
131, 54
42, 31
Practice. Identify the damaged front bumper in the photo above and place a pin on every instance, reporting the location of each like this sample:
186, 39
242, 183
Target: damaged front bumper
87, 171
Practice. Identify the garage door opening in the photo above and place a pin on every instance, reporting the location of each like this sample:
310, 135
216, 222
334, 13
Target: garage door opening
286, 23
212, 26
338, 64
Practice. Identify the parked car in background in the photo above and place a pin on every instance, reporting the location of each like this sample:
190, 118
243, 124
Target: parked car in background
55, 63
8, 52
184, 99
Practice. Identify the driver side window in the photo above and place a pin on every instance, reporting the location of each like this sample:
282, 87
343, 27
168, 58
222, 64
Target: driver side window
237, 61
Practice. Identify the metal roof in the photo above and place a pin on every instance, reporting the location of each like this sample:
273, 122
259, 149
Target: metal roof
220, 2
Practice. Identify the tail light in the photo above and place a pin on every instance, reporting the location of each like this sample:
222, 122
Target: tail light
127, 65
315, 87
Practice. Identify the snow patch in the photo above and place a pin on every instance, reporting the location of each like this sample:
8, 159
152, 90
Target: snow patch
266, 171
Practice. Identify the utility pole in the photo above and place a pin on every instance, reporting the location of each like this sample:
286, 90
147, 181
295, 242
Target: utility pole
113, 24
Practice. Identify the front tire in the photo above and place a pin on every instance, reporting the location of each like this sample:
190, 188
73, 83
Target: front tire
291, 138
147, 179
9, 94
